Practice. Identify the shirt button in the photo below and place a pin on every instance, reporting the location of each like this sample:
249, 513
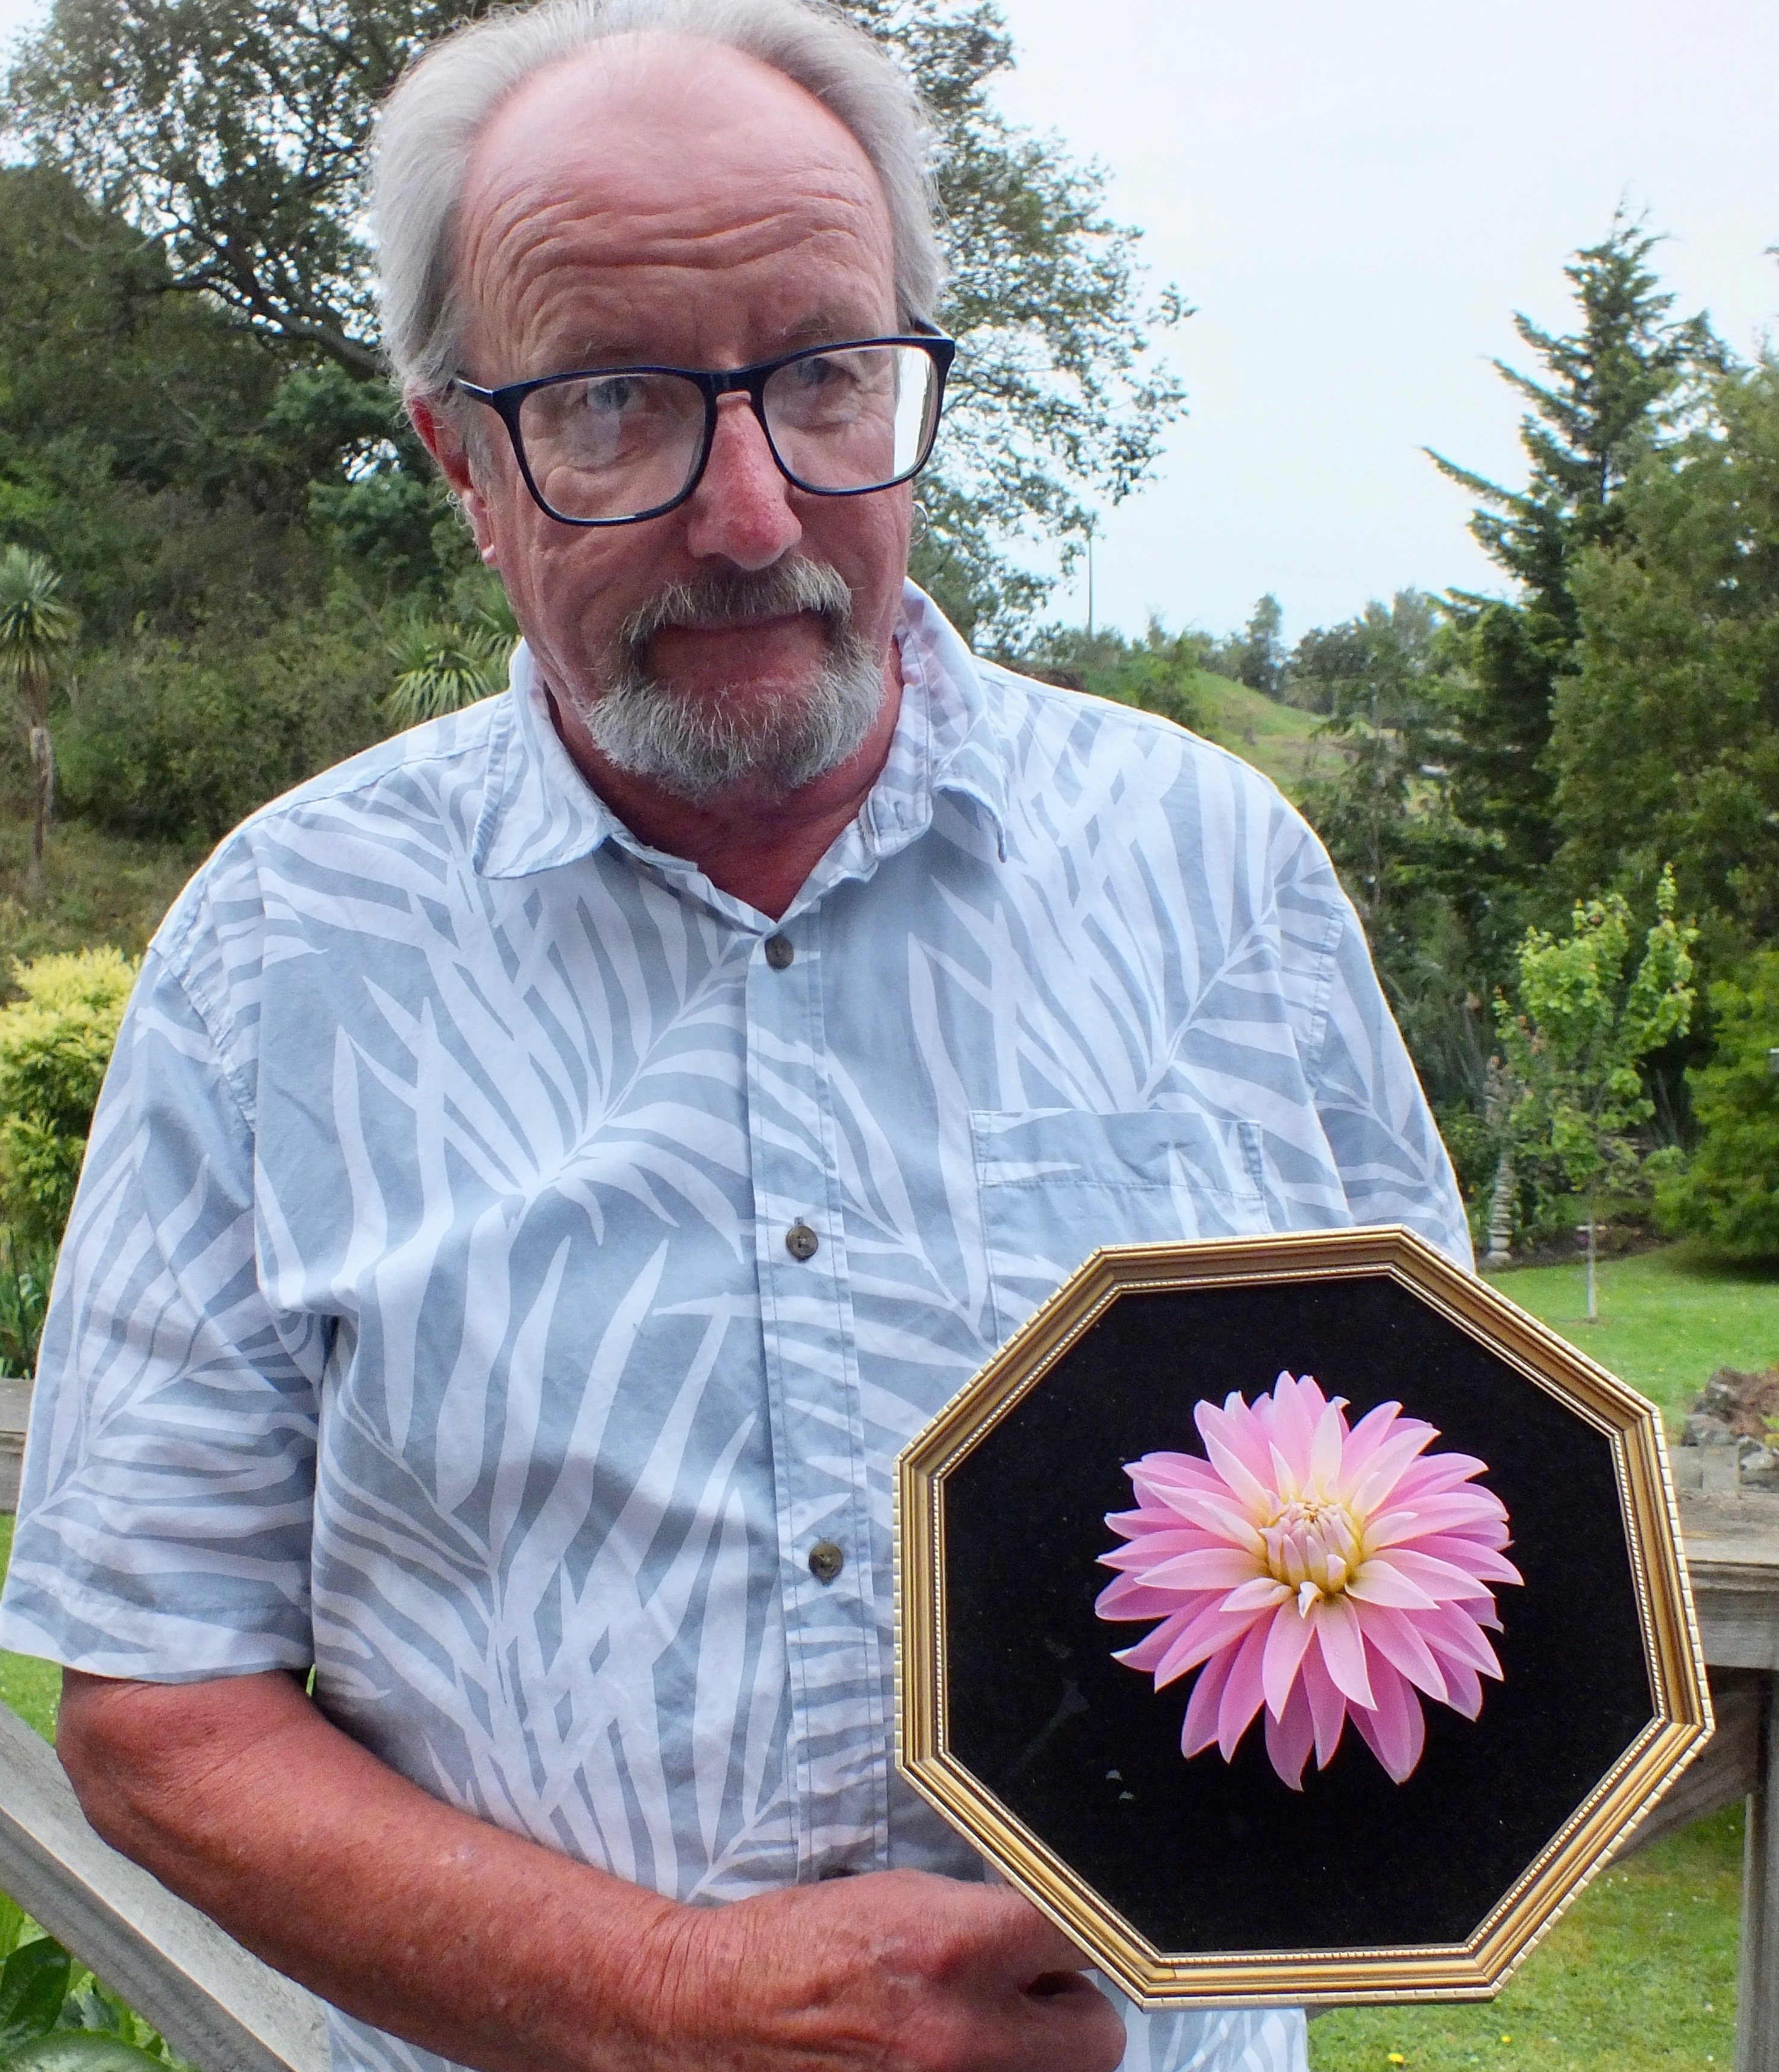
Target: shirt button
825, 1560
800, 1242
779, 951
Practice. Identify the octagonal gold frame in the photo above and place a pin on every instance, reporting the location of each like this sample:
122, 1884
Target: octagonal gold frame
1473, 1970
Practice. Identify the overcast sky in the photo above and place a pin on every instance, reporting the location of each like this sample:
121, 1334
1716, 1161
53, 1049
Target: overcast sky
1356, 197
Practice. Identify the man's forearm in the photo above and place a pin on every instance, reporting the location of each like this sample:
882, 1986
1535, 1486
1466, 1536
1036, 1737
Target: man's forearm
243, 1798
400, 1909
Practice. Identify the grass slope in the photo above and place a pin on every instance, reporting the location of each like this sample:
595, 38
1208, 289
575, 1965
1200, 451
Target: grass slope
1667, 1318
97, 888
1277, 739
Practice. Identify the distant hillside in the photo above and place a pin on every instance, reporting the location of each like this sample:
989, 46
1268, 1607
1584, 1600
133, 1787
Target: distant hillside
1276, 739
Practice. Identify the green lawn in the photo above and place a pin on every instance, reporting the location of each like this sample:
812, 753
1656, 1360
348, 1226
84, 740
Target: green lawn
1639, 1974
29, 1686
1667, 1318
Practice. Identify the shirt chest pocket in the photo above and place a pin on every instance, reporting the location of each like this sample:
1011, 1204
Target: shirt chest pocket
1055, 1183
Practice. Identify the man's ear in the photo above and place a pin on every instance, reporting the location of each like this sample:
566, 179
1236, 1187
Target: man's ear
443, 438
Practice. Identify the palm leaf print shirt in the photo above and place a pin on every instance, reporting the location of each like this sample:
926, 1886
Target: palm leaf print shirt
427, 1313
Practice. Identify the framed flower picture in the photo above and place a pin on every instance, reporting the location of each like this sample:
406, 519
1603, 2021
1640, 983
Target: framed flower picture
1293, 1618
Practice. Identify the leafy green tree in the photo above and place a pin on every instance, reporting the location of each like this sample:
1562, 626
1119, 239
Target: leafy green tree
1406, 862
234, 135
36, 625
1584, 1024
1666, 738
1257, 659
1728, 1191
1626, 380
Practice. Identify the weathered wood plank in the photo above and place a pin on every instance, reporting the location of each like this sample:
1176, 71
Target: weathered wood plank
215, 2003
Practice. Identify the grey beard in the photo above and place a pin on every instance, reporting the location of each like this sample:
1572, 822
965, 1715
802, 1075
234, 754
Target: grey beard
694, 746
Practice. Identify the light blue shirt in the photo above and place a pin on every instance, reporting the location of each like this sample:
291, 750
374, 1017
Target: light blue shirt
426, 1313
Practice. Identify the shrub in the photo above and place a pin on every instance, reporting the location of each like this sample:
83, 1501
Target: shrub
54, 1045
173, 738
1728, 1191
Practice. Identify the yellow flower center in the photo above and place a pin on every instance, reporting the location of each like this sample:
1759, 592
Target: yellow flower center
1314, 1545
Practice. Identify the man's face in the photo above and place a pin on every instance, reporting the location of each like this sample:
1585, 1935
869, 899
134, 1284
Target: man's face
673, 203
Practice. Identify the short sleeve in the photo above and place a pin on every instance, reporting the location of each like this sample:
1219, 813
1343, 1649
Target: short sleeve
165, 1518
1393, 1167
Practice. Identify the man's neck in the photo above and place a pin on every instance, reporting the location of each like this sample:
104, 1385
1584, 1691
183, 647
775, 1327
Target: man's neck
752, 840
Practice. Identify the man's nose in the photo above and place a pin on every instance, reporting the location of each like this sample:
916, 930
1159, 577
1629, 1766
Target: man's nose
741, 510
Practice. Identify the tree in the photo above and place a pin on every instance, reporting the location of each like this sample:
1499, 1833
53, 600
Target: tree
1406, 863
1624, 381
1665, 741
1582, 1030
1728, 1191
34, 627
234, 135
1258, 659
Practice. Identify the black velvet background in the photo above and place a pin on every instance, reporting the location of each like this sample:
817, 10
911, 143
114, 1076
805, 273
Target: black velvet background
1206, 1856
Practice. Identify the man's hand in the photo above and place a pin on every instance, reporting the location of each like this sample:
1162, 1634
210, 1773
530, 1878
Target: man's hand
240, 1795
895, 1970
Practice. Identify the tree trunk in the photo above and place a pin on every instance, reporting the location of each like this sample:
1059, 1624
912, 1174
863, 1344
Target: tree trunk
42, 769
1500, 1213
1593, 1293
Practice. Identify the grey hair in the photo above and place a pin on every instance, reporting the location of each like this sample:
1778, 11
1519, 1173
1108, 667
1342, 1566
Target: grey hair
428, 128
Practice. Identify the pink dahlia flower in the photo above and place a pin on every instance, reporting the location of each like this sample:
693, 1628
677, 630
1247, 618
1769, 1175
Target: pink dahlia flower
1313, 1572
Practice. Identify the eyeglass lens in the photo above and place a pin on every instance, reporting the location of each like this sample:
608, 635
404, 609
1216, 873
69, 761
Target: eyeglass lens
617, 446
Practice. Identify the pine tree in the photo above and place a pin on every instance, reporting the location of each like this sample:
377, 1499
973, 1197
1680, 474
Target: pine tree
1624, 381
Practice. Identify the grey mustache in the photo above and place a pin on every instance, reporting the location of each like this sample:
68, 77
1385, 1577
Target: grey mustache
738, 597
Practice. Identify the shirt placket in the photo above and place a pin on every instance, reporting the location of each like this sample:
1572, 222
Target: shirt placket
839, 1758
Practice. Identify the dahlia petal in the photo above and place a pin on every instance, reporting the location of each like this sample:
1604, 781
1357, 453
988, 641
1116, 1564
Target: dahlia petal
1289, 1739
1261, 1595
1326, 1448
1243, 1694
1213, 1628
1427, 1516
1482, 1563
1149, 1548
1434, 1473
1250, 1491
1343, 1647
1396, 1638
1203, 1567
1297, 1411
1219, 1514
1287, 1639
1393, 1729
1451, 1632
1327, 1706
1441, 1580
1363, 1441
1130, 1597
1379, 1582
1131, 1525
1463, 1688
1286, 1479
1387, 1464
1199, 1730
1239, 1435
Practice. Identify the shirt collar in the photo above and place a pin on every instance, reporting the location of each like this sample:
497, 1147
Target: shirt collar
539, 812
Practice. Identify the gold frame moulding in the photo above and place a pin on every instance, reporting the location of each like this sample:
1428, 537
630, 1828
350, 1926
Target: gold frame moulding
1474, 1969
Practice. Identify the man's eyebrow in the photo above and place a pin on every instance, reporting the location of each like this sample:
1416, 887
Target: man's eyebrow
823, 328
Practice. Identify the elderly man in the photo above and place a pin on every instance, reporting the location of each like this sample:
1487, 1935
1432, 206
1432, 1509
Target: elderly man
553, 1162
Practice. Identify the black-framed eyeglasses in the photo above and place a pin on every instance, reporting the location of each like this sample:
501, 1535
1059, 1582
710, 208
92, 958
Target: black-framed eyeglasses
611, 446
